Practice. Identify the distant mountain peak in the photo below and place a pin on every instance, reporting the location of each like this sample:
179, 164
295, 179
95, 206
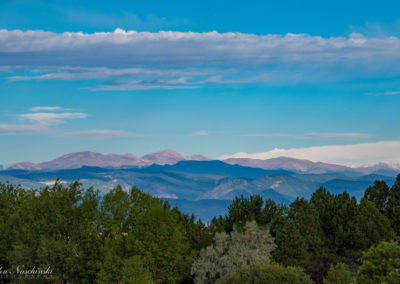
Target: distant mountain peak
164, 157
304, 166
94, 159
165, 153
22, 166
197, 158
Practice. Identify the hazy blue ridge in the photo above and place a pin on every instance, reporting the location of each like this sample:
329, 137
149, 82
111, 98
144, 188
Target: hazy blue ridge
204, 188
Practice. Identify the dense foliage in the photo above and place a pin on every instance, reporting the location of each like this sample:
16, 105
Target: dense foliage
132, 237
326, 229
381, 264
123, 238
340, 274
267, 274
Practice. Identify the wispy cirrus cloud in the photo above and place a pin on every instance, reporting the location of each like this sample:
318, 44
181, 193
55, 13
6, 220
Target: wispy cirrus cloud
47, 120
219, 79
45, 108
339, 136
144, 85
68, 73
51, 118
200, 133
265, 135
387, 93
22, 129
11, 68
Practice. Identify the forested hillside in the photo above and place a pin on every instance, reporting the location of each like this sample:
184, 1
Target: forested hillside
71, 234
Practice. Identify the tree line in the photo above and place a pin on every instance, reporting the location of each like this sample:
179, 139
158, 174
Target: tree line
133, 237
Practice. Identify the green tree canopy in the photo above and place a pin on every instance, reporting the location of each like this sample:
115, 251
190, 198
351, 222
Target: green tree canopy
394, 205
381, 264
340, 274
372, 227
291, 247
266, 274
379, 194
306, 218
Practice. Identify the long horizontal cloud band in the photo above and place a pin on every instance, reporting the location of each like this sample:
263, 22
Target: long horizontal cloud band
351, 155
122, 48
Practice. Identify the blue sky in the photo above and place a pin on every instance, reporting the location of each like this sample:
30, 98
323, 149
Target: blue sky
219, 79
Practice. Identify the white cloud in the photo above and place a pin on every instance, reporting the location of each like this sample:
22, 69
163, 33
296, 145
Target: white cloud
44, 108
142, 85
200, 133
46, 122
392, 93
219, 79
350, 155
20, 129
9, 69
265, 135
124, 48
50, 118
182, 60
339, 136
167, 195
388, 93
100, 133
91, 73
206, 58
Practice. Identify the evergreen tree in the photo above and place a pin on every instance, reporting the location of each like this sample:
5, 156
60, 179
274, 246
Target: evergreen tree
291, 247
112, 264
272, 211
134, 272
372, 227
245, 209
306, 218
344, 220
324, 203
266, 274
381, 264
379, 194
11, 204
340, 274
162, 242
394, 205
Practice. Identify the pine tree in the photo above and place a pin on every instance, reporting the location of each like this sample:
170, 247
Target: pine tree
381, 264
372, 226
379, 194
394, 205
291, 247
306, 218
340, 274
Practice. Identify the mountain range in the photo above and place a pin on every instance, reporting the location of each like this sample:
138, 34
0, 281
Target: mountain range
202, 187
92, 159
170, 157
